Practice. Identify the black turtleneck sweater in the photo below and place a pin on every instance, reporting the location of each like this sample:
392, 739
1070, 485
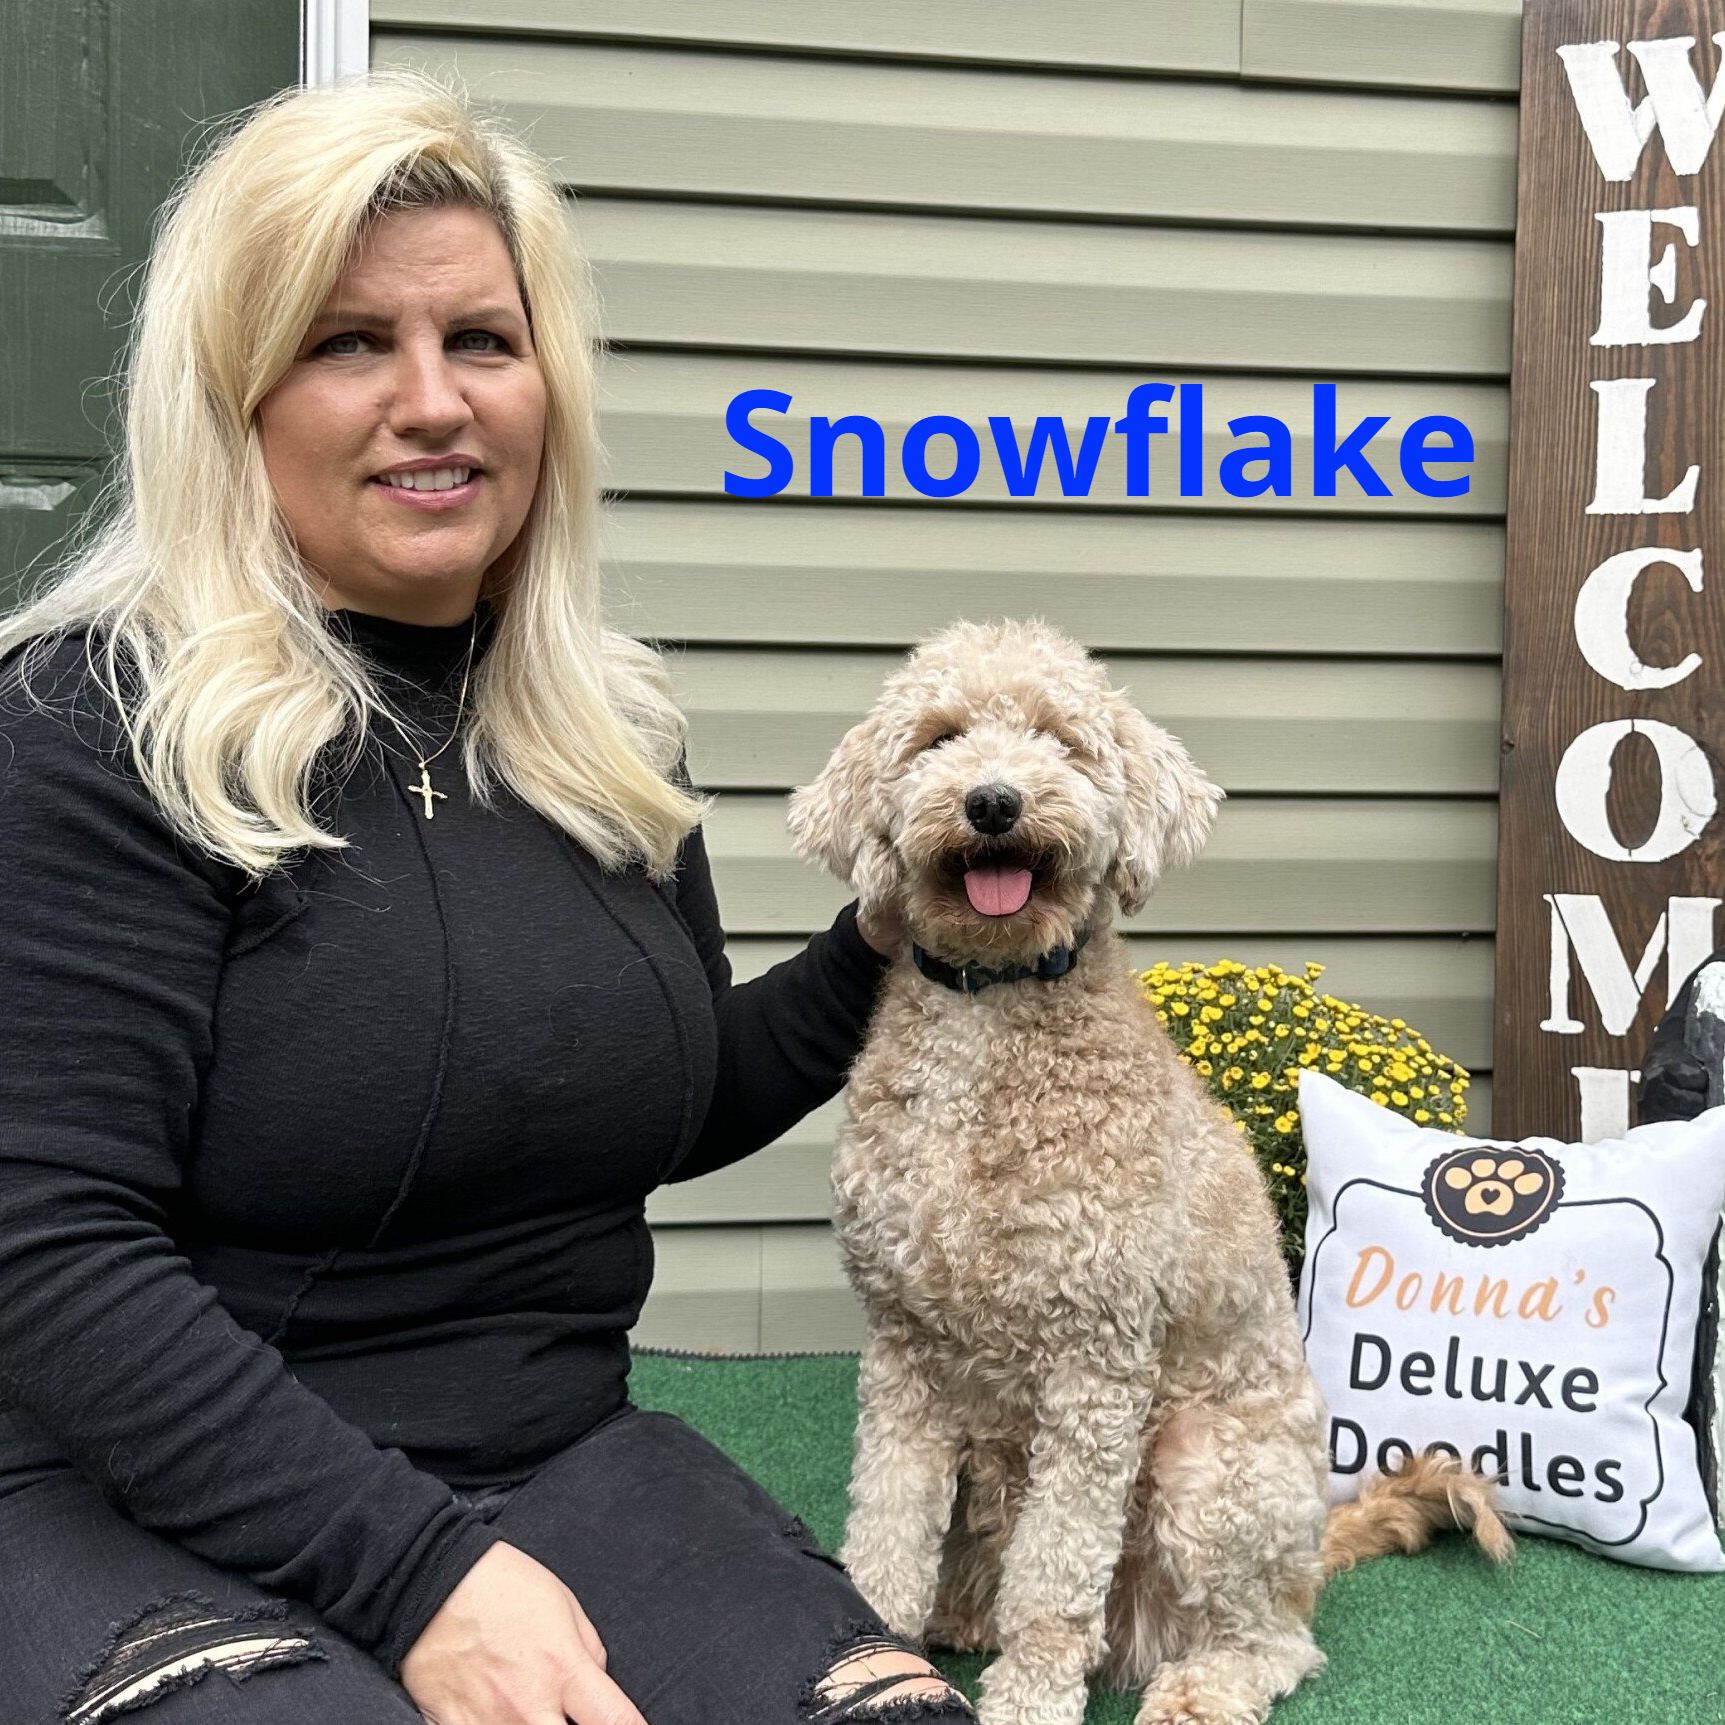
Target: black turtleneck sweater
322, 1196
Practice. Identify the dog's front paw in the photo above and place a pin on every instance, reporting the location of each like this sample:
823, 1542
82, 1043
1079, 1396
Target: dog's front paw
1016, 1693
882, 1581
1172, 1701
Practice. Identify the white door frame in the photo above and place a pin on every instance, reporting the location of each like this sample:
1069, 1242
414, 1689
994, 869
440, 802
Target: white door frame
334, 39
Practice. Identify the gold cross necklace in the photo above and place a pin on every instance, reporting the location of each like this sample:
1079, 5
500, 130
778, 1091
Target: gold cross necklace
424, 788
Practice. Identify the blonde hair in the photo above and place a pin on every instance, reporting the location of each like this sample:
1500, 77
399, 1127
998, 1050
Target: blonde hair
212, 644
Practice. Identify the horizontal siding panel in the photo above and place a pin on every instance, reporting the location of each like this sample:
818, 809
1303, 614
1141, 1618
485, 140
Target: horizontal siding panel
1149, 35
806, 1298
1414, 44
885, 576
663, 426
757, 127
706, 1291
808, 281
749, 1290
1479, 1105
1272, 866
761, 720
1442, 988
786, 1182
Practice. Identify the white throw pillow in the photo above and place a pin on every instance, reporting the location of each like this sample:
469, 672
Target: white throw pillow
1530, 1307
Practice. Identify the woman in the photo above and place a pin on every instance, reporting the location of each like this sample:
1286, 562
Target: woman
362, 976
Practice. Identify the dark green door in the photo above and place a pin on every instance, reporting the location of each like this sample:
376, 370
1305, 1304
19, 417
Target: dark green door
101, 105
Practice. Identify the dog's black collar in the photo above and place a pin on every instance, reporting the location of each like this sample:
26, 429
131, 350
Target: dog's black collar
971, 978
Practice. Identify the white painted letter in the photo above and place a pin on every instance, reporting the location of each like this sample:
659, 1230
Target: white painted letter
1625, 307
1579, 923
1604, 1101
1602, 618
1687, 798
1620, 454
1618, 132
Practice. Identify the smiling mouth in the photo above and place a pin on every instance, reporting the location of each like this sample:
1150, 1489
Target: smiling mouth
444, 496
426, 480
998, 880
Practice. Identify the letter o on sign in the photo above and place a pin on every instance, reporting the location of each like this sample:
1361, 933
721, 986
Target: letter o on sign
1687, 797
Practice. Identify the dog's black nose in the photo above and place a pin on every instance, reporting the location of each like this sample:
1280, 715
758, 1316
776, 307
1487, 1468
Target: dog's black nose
993, 809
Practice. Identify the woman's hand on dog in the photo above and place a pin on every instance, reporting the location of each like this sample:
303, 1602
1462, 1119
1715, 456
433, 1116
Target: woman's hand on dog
512, 1646
883, 930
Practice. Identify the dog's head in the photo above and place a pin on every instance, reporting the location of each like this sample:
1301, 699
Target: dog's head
1000, 794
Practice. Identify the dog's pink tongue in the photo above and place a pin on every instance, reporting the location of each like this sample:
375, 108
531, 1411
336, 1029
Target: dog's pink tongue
997, 891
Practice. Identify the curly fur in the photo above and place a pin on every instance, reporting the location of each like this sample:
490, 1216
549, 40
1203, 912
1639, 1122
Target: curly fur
1087, 1432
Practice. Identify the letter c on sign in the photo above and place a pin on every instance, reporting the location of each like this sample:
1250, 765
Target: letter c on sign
1602, 618
1687, 798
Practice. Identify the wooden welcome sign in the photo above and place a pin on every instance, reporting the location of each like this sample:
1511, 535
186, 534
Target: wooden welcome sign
1609, 869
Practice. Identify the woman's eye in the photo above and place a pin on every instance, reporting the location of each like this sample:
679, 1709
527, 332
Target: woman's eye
489, 335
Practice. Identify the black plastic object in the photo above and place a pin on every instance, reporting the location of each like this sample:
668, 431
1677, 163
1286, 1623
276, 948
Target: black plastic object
1704, 1037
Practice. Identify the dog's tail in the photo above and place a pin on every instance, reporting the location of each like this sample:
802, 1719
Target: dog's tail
1400, 1511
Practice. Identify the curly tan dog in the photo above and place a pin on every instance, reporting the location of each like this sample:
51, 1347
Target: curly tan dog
1080, 1325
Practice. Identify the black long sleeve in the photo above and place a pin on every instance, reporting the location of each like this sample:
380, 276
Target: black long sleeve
787, 1038
321, 1198
111, 949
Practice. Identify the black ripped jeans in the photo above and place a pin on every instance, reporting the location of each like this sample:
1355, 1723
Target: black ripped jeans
715, 1604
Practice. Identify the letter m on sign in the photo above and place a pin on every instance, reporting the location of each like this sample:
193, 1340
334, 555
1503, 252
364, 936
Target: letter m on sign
1581, 933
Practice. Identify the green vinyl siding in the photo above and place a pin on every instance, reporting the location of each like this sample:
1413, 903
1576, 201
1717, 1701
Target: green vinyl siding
1278, 586
1114, 35
1470, 45
999, 208
839, 134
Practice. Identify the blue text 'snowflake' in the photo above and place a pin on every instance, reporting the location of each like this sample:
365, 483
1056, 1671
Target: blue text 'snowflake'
942, 456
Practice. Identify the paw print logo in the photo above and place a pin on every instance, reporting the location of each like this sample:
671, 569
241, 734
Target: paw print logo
1487, 1195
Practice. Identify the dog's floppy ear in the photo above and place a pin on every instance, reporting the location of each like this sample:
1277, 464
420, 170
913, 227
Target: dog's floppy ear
1169, 806
839, 820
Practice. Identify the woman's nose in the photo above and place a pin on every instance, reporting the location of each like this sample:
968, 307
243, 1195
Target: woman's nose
428, 395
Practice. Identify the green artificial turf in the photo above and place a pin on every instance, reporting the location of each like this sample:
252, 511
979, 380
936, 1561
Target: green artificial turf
1557, 1638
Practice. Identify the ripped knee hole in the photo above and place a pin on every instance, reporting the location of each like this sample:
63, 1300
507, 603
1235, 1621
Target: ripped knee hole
175, 1642
876, 1678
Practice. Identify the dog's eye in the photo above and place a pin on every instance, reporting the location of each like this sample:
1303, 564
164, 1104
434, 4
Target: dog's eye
944, 737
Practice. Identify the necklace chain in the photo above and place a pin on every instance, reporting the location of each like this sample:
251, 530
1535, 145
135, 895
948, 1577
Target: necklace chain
424, 789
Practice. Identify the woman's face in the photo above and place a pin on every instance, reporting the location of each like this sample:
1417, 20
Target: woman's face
420, 353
